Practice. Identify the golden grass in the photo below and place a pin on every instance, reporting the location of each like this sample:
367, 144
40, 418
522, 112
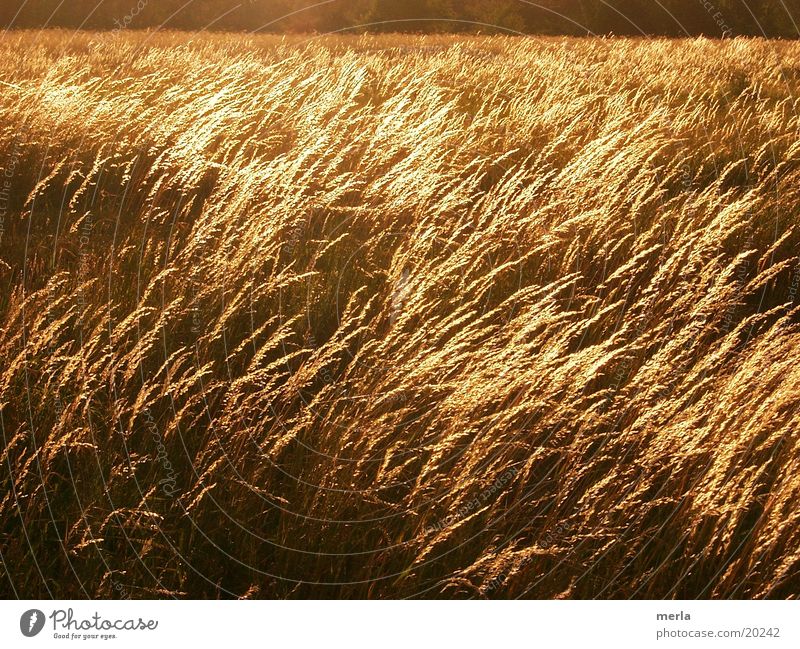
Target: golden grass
399, 316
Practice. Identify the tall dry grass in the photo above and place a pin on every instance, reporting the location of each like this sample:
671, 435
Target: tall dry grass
397, 316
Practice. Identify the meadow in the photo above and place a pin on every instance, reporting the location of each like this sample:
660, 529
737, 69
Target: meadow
398, 316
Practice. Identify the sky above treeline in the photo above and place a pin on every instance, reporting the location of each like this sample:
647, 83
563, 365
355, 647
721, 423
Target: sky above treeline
715, 18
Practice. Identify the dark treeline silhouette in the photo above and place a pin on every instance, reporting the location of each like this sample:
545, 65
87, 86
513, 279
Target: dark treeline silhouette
779, 18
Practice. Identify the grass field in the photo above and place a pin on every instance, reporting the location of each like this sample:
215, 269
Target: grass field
398, 317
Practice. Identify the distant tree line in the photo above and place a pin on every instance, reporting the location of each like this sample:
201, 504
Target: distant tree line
780, 18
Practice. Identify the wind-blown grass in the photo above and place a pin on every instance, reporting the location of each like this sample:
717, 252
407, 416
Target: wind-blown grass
398, 316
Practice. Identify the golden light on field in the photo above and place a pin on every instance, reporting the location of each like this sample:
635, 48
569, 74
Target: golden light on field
397, 316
